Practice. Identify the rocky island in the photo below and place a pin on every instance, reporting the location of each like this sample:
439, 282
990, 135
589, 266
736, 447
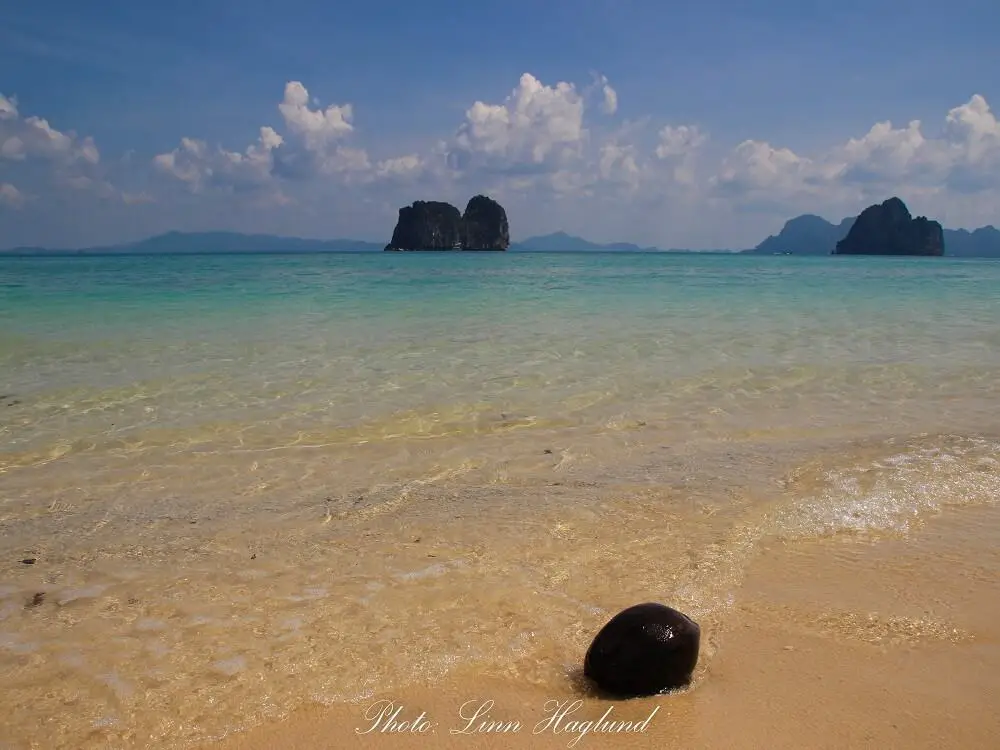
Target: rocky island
888, 229
435, 225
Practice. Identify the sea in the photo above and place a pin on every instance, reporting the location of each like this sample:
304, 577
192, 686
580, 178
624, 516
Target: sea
233, 486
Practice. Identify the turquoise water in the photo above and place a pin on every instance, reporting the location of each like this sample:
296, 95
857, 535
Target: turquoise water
324, 335
216, 459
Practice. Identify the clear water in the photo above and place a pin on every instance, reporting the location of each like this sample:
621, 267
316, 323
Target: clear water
244, 477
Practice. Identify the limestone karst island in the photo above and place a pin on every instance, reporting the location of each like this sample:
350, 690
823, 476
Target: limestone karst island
435, 225
889, 229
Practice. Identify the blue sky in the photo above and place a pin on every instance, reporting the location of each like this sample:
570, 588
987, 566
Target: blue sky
702, 125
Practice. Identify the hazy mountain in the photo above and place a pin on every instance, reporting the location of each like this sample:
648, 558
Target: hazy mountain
219, 242
562, 242
234, 242
981, 243
805, 235
813, 235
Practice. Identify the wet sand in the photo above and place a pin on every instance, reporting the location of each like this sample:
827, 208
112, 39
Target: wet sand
844, 642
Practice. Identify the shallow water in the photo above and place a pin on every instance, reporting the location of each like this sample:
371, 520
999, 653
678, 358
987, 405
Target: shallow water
254, 482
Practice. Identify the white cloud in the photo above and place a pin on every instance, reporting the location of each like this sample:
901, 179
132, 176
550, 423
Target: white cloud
609, 100
679, 146
679, 141
47, 158
187, 162
307, 150
756, 164
315, 148
8, 108
13, 148
537, 127
885, 150
964, 157
619, 162
347, 160
535, 138
400, 166
601, 93
972, 134
974, 124
10, 196
198, 165
317, 127
23, 138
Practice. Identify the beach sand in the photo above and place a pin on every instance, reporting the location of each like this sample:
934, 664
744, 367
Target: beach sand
796, 665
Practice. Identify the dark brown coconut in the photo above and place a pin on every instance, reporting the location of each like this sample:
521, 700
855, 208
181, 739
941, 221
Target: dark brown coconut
644, 650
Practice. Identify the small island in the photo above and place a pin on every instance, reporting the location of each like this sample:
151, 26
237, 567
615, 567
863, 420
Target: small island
435, 225
889, 229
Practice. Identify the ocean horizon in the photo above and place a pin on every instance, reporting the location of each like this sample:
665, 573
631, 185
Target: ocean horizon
236, 485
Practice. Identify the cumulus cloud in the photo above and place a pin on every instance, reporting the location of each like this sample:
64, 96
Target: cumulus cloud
975, 125
309, 148
198, 165
609, 97
678, 146
610, 104
400, 166
535, 137
537, 128
10, 196
317, 127
8, 108
884, 151
754, 165
23, 138
964, 157
679, 141
619, 162
313, 147
972, 134
45, 158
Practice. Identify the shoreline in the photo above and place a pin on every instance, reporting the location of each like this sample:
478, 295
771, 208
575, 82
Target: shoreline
799, 663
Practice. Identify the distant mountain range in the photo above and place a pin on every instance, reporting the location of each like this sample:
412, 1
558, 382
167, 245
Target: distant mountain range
233, 242
562, 242
813, 235
803, 235
217, 242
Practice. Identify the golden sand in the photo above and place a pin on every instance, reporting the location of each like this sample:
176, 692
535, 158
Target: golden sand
838, 643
